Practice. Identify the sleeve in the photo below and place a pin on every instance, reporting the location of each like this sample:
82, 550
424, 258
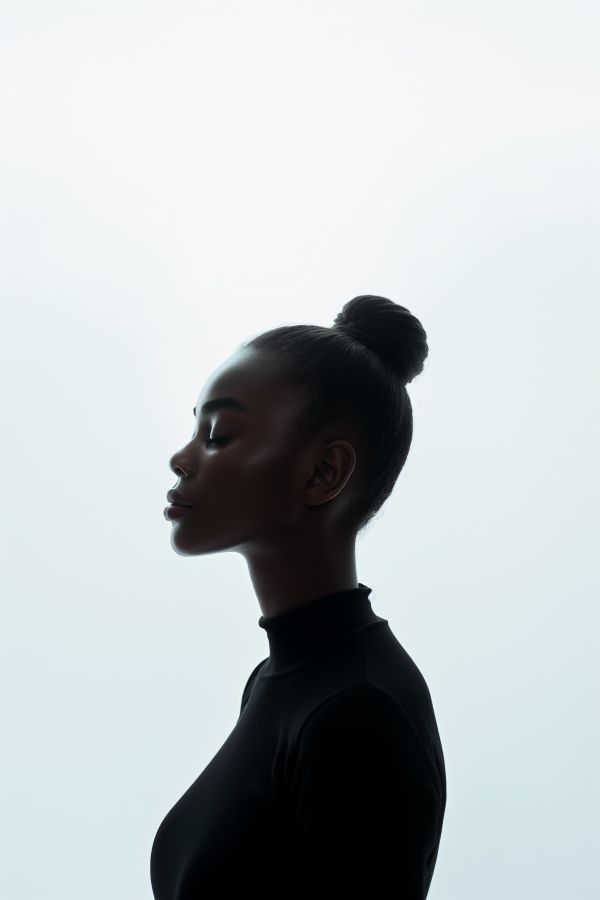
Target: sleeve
362, 810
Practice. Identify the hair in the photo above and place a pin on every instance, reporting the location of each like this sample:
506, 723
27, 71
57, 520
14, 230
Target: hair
357, 372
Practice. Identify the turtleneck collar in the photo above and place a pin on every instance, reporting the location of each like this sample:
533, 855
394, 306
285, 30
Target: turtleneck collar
296, 635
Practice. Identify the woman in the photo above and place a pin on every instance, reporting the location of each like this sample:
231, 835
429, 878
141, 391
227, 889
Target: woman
332, 782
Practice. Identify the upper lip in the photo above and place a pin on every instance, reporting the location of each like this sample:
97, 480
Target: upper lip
177, 498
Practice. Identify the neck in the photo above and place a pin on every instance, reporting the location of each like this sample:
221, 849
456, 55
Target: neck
314, 628
286, 578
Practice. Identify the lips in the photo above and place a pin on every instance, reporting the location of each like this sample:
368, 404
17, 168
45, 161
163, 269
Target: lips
178, 499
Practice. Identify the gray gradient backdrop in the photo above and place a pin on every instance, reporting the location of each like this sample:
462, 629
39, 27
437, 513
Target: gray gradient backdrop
178, 177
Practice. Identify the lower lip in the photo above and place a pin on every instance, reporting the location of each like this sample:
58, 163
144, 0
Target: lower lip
174, 512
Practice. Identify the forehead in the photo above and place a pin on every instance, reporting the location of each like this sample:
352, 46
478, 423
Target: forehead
255, 379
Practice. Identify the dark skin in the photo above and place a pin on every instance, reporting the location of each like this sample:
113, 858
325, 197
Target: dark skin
261, 494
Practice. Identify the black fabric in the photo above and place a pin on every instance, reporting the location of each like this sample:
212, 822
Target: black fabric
332, 779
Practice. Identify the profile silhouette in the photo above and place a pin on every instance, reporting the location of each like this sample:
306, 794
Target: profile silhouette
332, 782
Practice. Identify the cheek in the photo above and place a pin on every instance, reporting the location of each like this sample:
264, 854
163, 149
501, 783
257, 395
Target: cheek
267, 472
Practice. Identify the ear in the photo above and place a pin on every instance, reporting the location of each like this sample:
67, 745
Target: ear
331, 470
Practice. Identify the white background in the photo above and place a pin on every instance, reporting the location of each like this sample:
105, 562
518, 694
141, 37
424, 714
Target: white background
177, 177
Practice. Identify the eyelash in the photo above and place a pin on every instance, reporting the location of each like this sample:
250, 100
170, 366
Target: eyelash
208, 442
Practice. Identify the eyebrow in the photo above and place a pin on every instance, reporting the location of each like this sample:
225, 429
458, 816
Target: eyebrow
221, 402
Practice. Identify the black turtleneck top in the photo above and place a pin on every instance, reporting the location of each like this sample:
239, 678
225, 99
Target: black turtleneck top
331, 783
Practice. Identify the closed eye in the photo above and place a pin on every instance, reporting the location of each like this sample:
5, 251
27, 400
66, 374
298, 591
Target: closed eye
219, 440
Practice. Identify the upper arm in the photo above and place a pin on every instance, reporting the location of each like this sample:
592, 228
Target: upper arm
361, 806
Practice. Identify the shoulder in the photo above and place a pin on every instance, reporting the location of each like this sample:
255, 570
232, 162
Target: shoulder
360, 724
255, 671
357, 754
359, 791
357, 709
250, 681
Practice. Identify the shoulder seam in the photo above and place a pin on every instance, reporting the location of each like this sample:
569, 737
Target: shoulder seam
352, 687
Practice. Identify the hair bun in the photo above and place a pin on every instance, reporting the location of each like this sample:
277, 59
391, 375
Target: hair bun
387, 329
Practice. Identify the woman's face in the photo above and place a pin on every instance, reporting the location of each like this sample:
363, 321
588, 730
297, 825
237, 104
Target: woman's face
242, 470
